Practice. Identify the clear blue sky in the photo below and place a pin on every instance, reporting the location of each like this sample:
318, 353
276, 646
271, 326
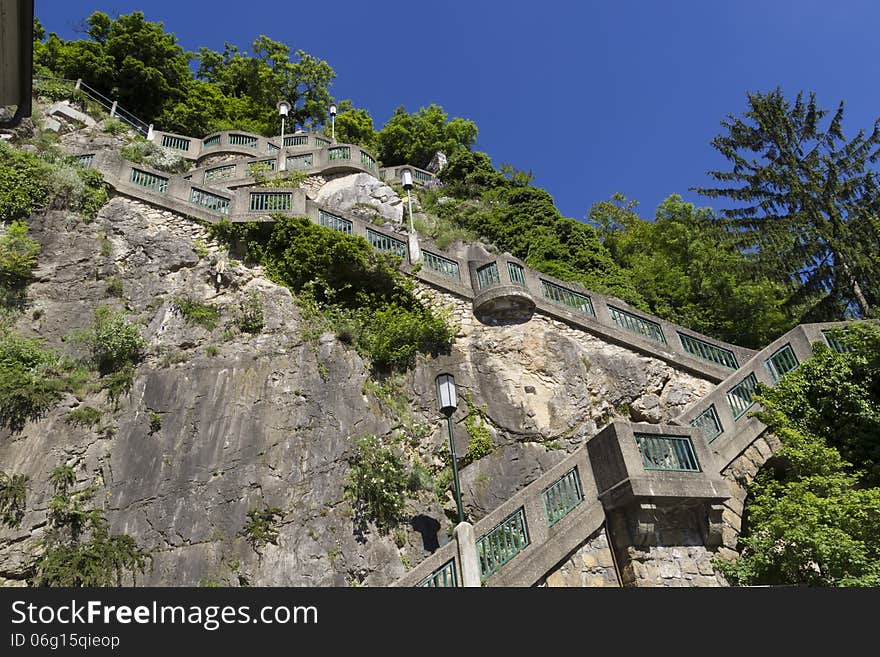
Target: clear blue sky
594, 97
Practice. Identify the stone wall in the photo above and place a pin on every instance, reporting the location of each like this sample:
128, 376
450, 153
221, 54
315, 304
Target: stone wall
663, 546
740, 474
590, 565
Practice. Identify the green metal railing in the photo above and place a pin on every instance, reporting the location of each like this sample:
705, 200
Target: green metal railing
517, 274
210, 201
836, 343
367, 160
211, 141
565, 297
502, 543
85, 160
336, 223
320, 142
177, 143
243, 140
220, 173
388, 244
562, 496
637, 325
669, 453
421, 176
487, 275
740, 397
296, 140
780, 363
271, 201
443, 266
303, 161
339, 153
710, 352
709, 423
149, 181
444, 577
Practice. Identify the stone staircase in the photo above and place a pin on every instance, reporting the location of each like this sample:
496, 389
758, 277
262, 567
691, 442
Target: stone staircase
523, 539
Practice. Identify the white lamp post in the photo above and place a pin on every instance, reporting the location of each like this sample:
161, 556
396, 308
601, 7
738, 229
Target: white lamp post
333, 122
448, 402
407, 180
283, 109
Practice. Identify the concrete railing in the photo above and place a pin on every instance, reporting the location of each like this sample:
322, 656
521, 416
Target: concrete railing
532, 290
724, 414
545, 532
420, 176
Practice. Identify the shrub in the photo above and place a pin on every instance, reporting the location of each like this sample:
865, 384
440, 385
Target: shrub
155, 422
115, 344
377, 483
78, 548
24, 183
262, 527
18, 257
13, 498
85, 416
197, 314
480, 444
200, 248
250, 315
32, 380
393, 335
211, 351
113, 286
114, 127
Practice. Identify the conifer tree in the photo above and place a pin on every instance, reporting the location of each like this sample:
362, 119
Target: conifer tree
806, 202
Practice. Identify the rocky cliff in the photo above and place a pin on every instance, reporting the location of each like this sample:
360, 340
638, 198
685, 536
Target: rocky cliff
219, 422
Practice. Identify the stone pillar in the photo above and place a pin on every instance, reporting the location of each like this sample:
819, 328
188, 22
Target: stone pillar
113, 109
415, 253
467, 555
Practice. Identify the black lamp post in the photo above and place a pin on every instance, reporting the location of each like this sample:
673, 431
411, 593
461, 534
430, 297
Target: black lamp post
448, 403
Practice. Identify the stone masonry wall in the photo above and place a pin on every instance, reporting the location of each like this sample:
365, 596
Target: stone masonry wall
590, 565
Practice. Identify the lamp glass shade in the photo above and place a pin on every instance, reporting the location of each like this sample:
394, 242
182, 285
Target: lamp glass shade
406, 178
283, 108
333, 110
446, 396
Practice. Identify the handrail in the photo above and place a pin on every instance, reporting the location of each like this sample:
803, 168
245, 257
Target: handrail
110, 105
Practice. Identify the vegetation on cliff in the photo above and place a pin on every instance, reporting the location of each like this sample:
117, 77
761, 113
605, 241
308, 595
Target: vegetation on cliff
813, 514
357, 291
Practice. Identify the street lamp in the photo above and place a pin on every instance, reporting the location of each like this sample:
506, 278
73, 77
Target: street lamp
448, 401
333, 122
406, 179
283, 109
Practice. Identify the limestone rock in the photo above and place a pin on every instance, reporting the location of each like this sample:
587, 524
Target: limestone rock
363, 196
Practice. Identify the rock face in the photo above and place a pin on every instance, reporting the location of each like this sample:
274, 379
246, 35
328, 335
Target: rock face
364, 196
220, 422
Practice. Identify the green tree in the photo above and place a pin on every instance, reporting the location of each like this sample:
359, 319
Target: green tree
805, 201
127, 58
415, 138
505, 209
353, 126
260, 80
813, 518
690, 272
18, 257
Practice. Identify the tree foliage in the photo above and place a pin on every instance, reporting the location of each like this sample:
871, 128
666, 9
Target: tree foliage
138, 63
359, 289
505, 209
690, 272
78, 547
814, 518
376, 485
805, 201
415, 138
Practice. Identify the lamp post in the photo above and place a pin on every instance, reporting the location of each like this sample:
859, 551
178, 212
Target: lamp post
448, 401
283, 109
333, 123
406, 179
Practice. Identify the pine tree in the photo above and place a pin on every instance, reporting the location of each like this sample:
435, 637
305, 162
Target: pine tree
806, 202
